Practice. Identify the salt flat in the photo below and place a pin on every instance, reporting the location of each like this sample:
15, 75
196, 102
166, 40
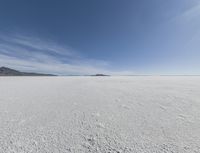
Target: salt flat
152, 114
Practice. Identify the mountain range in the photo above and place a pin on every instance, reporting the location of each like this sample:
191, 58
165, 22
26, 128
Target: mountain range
5, 71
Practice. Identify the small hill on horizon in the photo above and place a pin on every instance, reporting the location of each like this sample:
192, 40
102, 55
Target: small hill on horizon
100, 75
5, 71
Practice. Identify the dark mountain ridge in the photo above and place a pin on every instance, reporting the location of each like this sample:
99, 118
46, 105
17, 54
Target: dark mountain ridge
100, 75
5, 71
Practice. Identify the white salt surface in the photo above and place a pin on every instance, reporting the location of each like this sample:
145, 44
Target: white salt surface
100, 114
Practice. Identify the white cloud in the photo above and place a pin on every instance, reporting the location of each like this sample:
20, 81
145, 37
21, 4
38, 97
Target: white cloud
50, 66
36, 55
192, 12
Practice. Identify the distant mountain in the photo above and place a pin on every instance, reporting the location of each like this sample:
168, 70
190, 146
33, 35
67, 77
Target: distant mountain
100, 75
4, 71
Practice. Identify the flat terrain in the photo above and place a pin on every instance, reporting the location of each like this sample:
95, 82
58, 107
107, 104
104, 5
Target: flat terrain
100, 114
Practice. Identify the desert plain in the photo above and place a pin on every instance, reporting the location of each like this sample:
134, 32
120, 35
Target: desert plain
116, 114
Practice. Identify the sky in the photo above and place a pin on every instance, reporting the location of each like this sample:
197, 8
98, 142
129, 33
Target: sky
116, 37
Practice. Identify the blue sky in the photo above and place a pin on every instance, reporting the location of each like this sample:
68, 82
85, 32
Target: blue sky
101, 36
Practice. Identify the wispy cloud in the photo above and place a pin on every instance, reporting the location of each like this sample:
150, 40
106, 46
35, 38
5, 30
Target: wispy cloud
36, 55
188, 14
192, 12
